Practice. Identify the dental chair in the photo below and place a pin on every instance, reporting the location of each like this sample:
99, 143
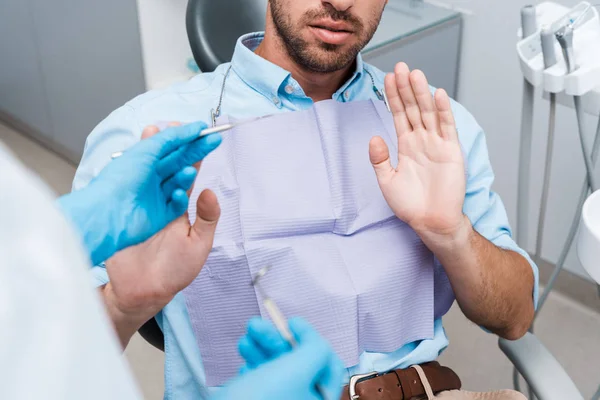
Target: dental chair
213, 28
212, 32
542, 372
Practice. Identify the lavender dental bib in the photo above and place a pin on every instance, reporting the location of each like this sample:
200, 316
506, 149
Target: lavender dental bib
297, 192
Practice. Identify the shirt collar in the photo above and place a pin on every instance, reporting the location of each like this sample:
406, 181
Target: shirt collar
258, 73
266, 77
356, 76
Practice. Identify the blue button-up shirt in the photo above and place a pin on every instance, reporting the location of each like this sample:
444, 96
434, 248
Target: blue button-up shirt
257, 87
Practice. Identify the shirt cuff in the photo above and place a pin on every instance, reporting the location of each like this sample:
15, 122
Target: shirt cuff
99, 275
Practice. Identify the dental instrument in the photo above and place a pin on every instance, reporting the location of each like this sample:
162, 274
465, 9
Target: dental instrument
565, 38
212, 130
274, 312
226, 127
278, 318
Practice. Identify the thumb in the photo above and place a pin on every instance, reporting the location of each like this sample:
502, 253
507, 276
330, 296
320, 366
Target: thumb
208, 212
380, 159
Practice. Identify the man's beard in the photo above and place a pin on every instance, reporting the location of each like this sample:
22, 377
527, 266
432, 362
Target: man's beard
330, 58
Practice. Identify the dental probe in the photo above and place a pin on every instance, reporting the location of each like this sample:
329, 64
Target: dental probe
210, 131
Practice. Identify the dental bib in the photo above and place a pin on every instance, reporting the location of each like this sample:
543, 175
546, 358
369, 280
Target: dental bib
298, 193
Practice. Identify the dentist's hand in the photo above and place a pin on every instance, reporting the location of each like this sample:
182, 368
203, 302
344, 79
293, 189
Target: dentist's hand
427, 188
139, 193
276, 372
144, 278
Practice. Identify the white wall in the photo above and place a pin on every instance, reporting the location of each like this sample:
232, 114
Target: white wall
491, 88
165, 48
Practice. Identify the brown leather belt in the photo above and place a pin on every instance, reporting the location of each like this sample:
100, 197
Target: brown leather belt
401, 384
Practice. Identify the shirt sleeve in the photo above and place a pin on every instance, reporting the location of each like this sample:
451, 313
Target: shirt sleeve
99, 275
117, 132
483, 206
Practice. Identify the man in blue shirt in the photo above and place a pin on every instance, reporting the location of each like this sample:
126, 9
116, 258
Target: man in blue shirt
309, 52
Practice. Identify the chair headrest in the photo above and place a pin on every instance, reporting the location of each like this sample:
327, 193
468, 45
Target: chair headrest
213, 27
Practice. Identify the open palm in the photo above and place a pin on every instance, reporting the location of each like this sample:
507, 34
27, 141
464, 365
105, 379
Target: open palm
427, 188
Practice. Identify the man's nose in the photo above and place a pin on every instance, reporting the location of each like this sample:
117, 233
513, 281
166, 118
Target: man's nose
340, 5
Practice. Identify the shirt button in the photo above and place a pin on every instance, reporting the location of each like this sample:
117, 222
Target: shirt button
346, 95
276, 100
289, 89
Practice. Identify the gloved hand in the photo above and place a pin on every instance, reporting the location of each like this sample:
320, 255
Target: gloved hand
275, 372
262, 343
139, 193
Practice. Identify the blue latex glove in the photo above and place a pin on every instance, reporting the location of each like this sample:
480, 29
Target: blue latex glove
276, 372
139, 193
262, 343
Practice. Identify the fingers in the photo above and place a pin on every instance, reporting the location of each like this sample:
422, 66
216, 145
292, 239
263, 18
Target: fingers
178, 204
420, 88
267, 337
446, 117
171, 139
181, 180
196, 164
150, 131
380, 159
296, 372
189, 154
333, 377
262, 343
244, 370
303, 331
182, 157
320, 364
251, 353
396, 106
315, 357
405, 89
207, 215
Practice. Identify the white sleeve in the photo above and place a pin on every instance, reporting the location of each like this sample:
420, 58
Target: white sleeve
56, 340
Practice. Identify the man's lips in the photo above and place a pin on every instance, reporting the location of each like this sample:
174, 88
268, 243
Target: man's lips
332, 25
332, 32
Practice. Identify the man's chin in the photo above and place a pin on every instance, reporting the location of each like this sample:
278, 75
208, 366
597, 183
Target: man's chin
328, 62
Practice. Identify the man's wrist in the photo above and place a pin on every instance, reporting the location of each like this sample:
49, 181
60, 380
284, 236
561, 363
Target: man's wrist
450, 241
126, 320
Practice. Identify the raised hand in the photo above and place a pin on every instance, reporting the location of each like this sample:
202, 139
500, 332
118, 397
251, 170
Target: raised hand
427, 188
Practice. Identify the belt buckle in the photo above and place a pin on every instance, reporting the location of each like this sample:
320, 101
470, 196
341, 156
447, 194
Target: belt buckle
354, 381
